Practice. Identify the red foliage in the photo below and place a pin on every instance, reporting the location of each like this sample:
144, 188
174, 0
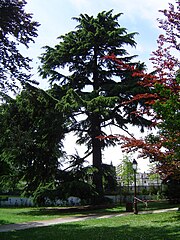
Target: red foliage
166, 66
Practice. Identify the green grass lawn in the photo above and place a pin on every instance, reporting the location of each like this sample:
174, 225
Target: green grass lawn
161, 226
19, 215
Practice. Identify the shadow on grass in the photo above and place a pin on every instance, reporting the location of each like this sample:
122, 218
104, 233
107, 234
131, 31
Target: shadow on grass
129, 228
2, 222
175, 218
156, 205
69, 211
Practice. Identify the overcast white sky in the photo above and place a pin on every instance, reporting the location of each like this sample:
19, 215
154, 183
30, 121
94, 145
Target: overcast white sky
55, 17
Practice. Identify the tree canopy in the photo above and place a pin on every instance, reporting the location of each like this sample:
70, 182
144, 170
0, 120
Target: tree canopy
16, 27
163, 101
125, 171
94, 87
32, 131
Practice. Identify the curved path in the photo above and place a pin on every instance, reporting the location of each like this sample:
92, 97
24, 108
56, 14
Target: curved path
44, 223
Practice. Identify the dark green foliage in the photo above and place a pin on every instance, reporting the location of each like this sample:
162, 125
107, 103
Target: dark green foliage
109, 178
16, 27
172, 190
32, 130
94, 88
75, 180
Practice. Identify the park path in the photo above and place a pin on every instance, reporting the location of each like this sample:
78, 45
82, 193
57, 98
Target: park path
44, 223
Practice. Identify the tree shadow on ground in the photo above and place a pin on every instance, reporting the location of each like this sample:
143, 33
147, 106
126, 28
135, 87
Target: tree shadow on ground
68, 211
2, 222
172, 219
114, 229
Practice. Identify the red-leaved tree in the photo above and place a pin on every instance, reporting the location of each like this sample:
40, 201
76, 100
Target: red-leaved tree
162, 99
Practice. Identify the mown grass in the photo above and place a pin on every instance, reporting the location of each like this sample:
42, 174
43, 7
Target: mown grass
155, 205
19, 215
161, 226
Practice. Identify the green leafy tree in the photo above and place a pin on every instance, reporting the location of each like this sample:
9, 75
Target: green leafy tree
32, 130
94, 89
16, 27
166, 87
125, 171
164, 104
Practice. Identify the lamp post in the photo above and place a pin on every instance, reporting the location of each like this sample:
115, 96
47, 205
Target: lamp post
134, 165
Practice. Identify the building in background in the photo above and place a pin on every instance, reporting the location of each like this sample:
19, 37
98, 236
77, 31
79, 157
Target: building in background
143, 179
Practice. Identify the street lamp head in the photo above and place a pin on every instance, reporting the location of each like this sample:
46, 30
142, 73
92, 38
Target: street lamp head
134, 165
